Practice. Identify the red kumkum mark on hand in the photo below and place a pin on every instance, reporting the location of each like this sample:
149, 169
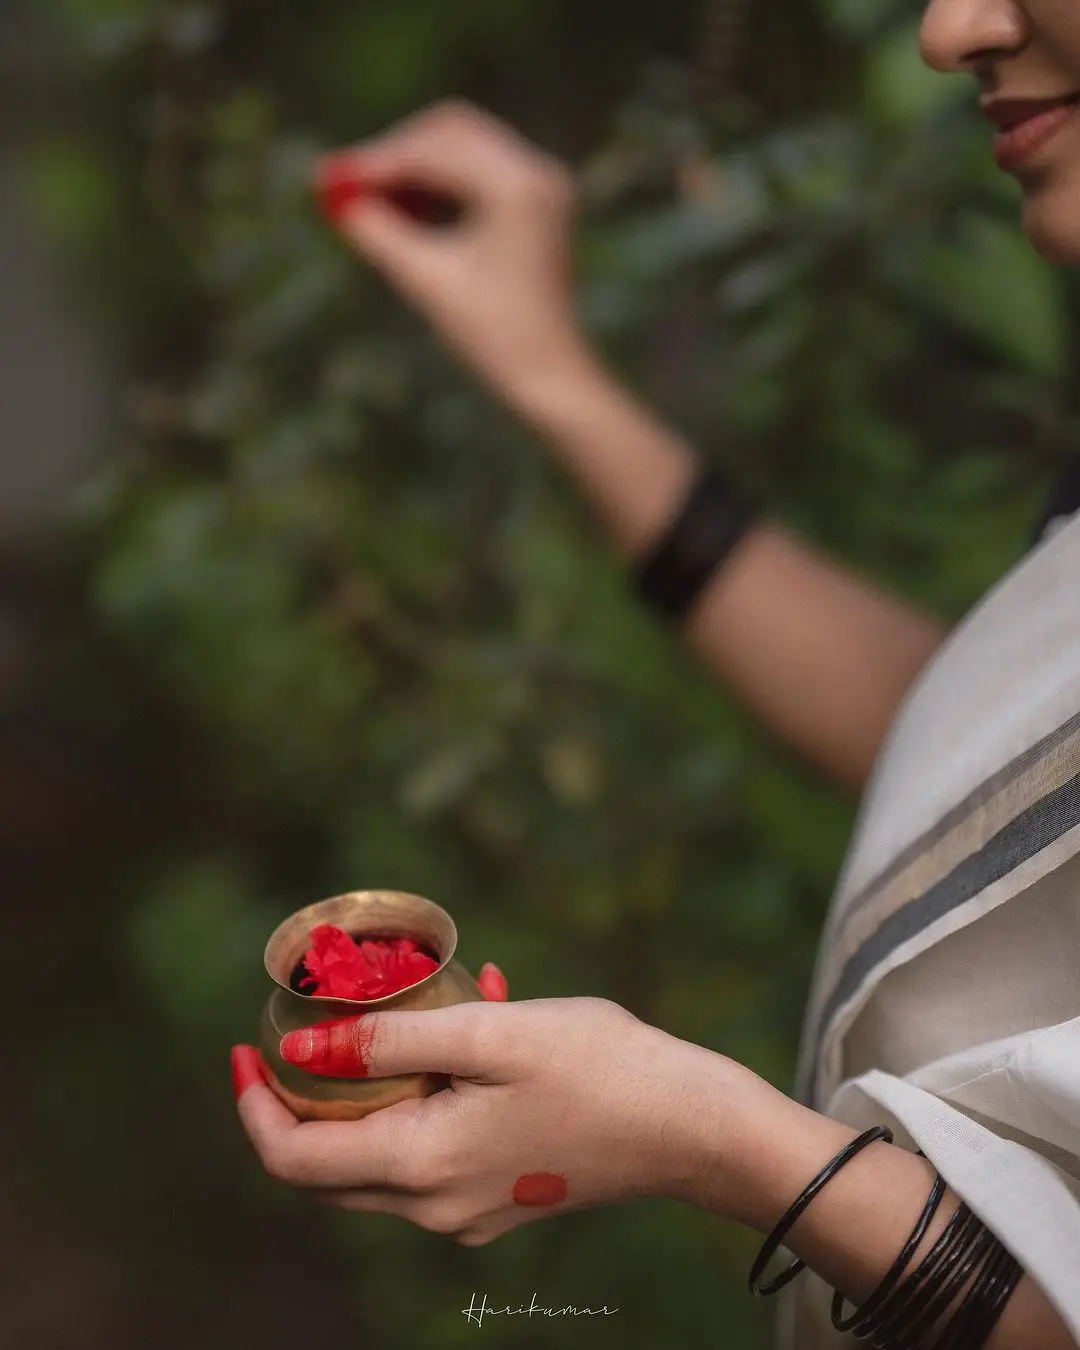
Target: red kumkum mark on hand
540, 1189
340, 1048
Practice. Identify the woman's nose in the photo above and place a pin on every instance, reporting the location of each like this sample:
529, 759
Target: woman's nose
958, 35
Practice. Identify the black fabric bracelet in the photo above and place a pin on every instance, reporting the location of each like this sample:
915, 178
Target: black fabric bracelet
864, 1316
775, 1240
711, 523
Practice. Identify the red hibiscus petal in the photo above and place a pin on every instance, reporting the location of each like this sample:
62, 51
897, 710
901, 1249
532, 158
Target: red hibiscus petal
339, 967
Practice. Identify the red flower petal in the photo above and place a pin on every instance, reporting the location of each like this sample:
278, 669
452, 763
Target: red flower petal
338, 967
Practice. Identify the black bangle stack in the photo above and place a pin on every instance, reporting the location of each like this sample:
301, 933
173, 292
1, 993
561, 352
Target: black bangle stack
864, 1316
966, 1263
711, 523
775, 1240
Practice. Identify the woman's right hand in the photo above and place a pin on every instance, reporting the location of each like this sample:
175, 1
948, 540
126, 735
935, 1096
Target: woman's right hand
497, 285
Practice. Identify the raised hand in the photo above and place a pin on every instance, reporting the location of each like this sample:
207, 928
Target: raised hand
496, 282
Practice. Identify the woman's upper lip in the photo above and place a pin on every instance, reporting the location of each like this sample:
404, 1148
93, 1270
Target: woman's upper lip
1006, 113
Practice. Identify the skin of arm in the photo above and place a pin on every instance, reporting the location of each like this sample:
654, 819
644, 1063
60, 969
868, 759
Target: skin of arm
596, 1107
822, 657
852, 1232
819, 655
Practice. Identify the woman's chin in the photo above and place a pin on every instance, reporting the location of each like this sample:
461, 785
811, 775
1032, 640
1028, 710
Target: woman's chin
1052, 223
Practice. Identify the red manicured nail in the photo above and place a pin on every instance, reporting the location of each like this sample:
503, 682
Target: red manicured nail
340, 1048
248, 1068
339, 184
493, 983
540, 1190
305, 1046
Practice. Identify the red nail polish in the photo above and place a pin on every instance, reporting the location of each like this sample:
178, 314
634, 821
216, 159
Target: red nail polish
340, 1048
339, 185
305, 1047
247, 1068
493, 984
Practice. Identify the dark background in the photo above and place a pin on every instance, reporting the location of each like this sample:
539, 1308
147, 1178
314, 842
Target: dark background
288, 607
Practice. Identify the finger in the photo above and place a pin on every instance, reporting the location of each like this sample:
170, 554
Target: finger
318, 1153
452, 145
493, 983
403, 247
448, 1217
248, 1068
363, 1200
461, 1041
453, 148
342, 184
488, 1230
348, 177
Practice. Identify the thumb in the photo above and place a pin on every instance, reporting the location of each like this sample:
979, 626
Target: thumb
451, 1041
394, 240
387, 223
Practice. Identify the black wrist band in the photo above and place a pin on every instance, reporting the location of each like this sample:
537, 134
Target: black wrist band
712, 521
863, 1317
775, 1240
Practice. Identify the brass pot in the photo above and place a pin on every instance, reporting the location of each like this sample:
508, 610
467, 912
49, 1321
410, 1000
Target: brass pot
371, 914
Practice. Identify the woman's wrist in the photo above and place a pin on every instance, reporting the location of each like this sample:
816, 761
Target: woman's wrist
735, 1145
634, 470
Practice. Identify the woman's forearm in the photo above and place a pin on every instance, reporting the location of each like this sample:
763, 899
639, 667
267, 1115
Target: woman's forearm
822, 657
751, 1164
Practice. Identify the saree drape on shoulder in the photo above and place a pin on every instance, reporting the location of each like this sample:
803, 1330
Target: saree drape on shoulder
946, 1000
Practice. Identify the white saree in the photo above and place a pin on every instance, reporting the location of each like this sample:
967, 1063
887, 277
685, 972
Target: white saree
946, 1000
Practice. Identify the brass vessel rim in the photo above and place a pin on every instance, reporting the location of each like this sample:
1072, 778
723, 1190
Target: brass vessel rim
437, 928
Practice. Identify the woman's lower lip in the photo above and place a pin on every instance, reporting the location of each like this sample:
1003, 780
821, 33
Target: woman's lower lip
1013, 147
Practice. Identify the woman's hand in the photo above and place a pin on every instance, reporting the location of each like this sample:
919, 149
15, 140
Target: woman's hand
497, 285
553, 1104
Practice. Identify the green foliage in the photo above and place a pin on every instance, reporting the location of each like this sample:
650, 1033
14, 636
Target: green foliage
362, 587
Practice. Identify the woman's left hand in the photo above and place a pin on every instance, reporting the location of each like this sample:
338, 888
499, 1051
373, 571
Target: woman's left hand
552, 1105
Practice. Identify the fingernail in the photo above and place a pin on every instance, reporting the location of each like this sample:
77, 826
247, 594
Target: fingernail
247, 1068
339, 184
493, 984
310, 1045
340, 1048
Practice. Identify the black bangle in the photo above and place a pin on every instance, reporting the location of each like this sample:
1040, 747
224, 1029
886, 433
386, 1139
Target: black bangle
890, 1325
970, 1258
712, 521
775, 1239
981, 1310
967, 1255
863, 1316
